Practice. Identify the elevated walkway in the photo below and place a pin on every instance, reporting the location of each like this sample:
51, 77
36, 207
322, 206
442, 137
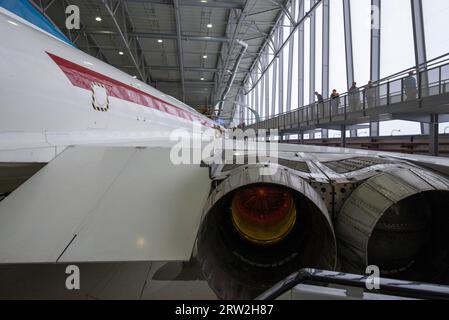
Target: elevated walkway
388, 99
417, 145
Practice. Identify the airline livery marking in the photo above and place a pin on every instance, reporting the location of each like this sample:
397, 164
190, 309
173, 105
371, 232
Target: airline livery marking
82, 77
100, 98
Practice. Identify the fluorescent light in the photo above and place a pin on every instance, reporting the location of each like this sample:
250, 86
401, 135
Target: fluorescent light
209, 25
202, 79
121, 53
204, 1
98, 19
160, 41
204, 57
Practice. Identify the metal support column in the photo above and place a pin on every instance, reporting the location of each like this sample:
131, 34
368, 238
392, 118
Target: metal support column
343, 136
348, 42
290, 63
267, 90
418, 32
180, 48
275, 87
434, 135
312, 55
281, 74
301, 57
425, 128
326, 49
420, 44
256, 100
375, 53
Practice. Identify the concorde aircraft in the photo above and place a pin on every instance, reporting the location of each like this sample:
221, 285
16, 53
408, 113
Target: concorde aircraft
86, 177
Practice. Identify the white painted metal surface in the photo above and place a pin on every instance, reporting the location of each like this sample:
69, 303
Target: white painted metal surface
109, 204
41, 110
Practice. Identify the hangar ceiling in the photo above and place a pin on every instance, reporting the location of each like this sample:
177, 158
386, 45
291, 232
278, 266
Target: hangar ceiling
185, 48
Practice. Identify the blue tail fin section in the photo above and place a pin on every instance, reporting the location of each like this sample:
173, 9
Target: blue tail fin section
27, 11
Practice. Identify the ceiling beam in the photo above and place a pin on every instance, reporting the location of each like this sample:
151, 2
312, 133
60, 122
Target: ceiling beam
180, 50
189, 69
89, 38
186, 83
124, 38
238, 19
168, 36
137, 46
223, 4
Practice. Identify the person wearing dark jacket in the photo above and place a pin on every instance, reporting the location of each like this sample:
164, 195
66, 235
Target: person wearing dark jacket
354, 97
319, 97
410, 86
335, 101
370, 94
320, 102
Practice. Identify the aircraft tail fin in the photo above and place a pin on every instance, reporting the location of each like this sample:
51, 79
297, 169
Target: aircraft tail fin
26, 11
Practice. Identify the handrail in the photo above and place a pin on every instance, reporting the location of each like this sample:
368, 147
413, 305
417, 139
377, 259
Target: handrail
406, 289
425, 67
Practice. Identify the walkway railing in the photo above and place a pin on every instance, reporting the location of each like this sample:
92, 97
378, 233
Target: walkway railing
432, 79
406, 289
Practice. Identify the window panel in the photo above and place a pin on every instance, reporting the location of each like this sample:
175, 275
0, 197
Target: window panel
285, 68
436, 13
307, 57
361, 42
276, 92
337, 58
397, 44
271, 91
397, 54
319, 50
295, 71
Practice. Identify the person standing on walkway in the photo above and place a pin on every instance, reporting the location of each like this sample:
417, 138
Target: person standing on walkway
320, 101
319, 97
370, 94
335, 101
354, 97
410, 86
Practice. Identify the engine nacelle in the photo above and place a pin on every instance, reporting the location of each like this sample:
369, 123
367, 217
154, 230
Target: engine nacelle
399, 221
259, 229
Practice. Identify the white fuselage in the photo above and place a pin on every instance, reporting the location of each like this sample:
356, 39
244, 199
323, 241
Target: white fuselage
46, 106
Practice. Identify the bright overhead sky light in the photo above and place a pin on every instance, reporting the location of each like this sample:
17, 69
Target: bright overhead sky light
98, 19
209, 25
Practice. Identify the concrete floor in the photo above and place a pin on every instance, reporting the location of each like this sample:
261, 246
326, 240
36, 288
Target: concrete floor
147, 281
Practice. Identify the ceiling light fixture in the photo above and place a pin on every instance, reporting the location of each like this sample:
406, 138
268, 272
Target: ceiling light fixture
204, 57
121, 53
98, 19
160, 41
209, 25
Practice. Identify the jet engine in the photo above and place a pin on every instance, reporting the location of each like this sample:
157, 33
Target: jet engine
257, 230
397, 220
